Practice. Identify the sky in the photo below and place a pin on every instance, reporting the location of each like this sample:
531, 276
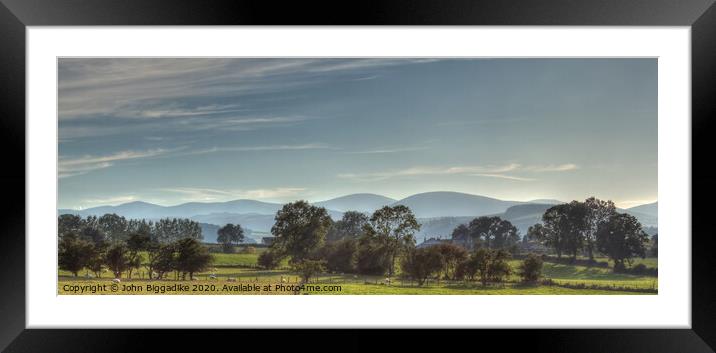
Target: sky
175, 130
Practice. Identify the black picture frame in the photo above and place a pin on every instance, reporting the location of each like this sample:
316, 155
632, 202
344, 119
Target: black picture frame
16, 15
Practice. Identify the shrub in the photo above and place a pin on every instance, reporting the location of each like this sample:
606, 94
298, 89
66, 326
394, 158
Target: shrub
531, 268
309, 268
468, 268
191, 257
499, 269
74, 253
638, 269
117, 259
372, 258
269, 259
420, 264
642, 270
340, 256
452, 256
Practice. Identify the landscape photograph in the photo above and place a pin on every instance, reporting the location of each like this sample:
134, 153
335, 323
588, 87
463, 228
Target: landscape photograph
357, 176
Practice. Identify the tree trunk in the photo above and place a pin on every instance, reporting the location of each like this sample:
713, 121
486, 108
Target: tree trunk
392, 265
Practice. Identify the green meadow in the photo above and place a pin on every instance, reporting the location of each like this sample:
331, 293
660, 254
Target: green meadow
238, 274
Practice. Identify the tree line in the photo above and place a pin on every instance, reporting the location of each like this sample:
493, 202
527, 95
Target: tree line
375, 244
115, 243
589, 227
357, 243
379, 243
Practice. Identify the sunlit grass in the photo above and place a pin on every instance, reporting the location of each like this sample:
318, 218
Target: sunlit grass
241, 267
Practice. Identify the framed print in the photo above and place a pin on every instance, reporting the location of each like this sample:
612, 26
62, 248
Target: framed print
477, 169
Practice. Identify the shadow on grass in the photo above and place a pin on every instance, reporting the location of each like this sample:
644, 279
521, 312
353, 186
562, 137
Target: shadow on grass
560, 271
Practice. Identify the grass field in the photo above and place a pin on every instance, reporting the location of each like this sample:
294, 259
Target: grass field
249, 280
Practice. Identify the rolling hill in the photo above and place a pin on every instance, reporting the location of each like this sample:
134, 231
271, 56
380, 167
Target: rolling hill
438, 212
356, 202
651, 209
453, 204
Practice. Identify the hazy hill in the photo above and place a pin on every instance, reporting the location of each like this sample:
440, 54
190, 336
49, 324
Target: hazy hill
146, 210
356, 202
253, 221
236, 206
651, 209
438, 212
210, 233
453, 204
136, 209
521, 216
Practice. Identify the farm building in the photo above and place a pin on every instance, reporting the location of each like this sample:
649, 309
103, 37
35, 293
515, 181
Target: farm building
432, 241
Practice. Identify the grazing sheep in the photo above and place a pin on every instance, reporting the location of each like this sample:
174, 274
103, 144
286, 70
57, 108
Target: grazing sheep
231, 279
387, 281
195, 279
212, 276
116, 280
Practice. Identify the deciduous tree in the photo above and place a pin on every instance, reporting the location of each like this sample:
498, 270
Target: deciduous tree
621, 238
73, 253
394, 227
598, 213
350, 226
229, 235
300, 229
420, 264
117, 259
530, 270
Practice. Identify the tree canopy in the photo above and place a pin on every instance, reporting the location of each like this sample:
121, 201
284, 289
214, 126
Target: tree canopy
394, 228
300, 229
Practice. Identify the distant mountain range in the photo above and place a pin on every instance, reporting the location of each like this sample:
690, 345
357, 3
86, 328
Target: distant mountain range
356, 202
651, 209
438, 212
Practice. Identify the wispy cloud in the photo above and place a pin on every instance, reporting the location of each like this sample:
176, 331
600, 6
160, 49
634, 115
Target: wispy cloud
480, 121
72, 166
145, 88
173, 111
84, 164
388, 150
503, 176
300, 147
112, 201
209, 194
491, 171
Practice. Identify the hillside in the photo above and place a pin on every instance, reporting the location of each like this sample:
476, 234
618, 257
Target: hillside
356, 202
438, 212
453, 204
651, 209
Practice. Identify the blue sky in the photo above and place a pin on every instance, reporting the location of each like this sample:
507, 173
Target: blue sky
170, 131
